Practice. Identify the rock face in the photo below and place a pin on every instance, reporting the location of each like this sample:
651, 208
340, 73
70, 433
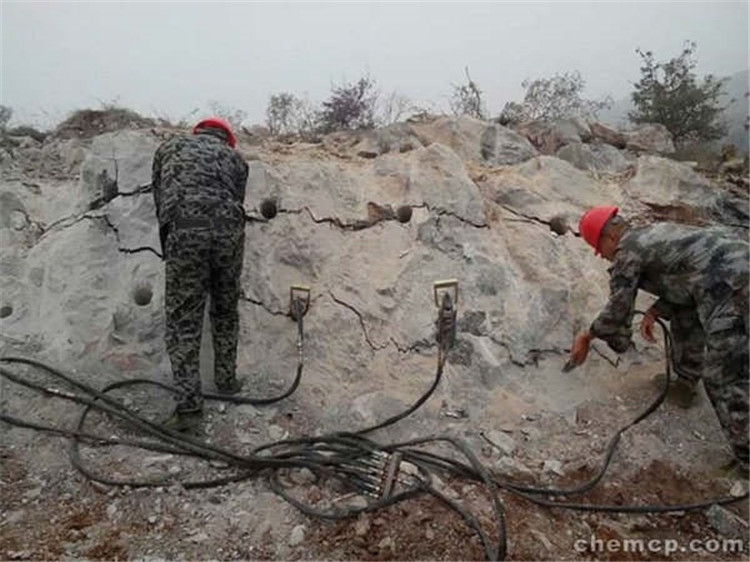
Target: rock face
596, 157
681, 194
650, 137
607, 135
82, 279
500, 146
548, 137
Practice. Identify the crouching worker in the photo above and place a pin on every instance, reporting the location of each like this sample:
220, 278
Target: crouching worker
198, 184
701, 279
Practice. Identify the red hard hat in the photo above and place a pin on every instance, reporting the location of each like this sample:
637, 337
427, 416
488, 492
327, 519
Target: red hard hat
592, 222
218, 123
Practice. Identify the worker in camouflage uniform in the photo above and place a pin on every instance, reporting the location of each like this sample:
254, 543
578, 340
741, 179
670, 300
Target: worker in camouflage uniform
198, 184
701, 278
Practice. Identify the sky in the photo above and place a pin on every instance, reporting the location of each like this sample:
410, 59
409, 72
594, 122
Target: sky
170, 59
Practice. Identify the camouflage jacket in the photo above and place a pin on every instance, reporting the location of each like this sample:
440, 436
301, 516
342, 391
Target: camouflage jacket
684, 266
198, 176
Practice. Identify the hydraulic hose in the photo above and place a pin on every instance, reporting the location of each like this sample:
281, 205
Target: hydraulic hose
349, 457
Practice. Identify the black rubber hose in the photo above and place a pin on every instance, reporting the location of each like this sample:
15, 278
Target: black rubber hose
414, 407
330, 454
298, 314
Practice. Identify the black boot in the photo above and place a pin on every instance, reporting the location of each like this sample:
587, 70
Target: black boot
184, 420
232, 388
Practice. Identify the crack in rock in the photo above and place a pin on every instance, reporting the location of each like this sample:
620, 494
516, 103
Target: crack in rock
140, 249
262, 305
52, 227
413, 348
378, 214
558, 225
145, 188
116, 231
361, 323
117, 236
440, 212
94, 205
31, 222
531, 357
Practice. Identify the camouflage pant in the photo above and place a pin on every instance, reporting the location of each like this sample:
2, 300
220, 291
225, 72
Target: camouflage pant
202, 261
725, 373
688, 344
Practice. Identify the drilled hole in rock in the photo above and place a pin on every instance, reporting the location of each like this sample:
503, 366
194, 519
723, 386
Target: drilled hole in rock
6, 311
559, 225
404, 213
268, 208
142, 295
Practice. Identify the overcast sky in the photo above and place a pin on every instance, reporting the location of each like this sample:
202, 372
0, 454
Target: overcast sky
169, 58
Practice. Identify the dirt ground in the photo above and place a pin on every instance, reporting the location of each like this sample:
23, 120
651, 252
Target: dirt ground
50, 511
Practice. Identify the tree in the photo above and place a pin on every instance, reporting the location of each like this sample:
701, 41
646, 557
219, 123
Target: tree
553, 98
466, 99
393, 108
287, 114
280, 113
670, 93
350, 106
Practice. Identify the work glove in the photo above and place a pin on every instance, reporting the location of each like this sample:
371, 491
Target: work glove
647, 325
580, 349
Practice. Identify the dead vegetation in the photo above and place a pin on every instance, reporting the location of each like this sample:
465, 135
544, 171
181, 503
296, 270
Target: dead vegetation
88, 123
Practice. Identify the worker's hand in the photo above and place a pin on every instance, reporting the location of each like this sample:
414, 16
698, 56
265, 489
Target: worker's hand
647, 325
580, 349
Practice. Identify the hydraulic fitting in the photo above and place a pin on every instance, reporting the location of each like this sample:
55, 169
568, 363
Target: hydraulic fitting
299, 300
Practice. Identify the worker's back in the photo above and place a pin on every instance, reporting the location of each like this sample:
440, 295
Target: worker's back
688, 265
199, 176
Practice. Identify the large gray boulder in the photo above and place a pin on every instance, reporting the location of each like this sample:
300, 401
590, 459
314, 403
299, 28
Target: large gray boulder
461, 134
677, 192
433, 177
547, 187
549, 136
661, 181
395, 138
596, 157
475, 140
651, 138
503, 146
608, 135
117, 162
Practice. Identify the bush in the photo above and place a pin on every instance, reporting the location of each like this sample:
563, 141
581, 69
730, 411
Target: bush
350, 107
393, 108
5, 114
186, 121
553, 98
27, 131
466, 99
289, 115
87, 123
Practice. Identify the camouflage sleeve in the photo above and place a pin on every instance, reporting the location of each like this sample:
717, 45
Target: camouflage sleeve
156, 192
663, 309
242, 173
156, 181
614, 323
